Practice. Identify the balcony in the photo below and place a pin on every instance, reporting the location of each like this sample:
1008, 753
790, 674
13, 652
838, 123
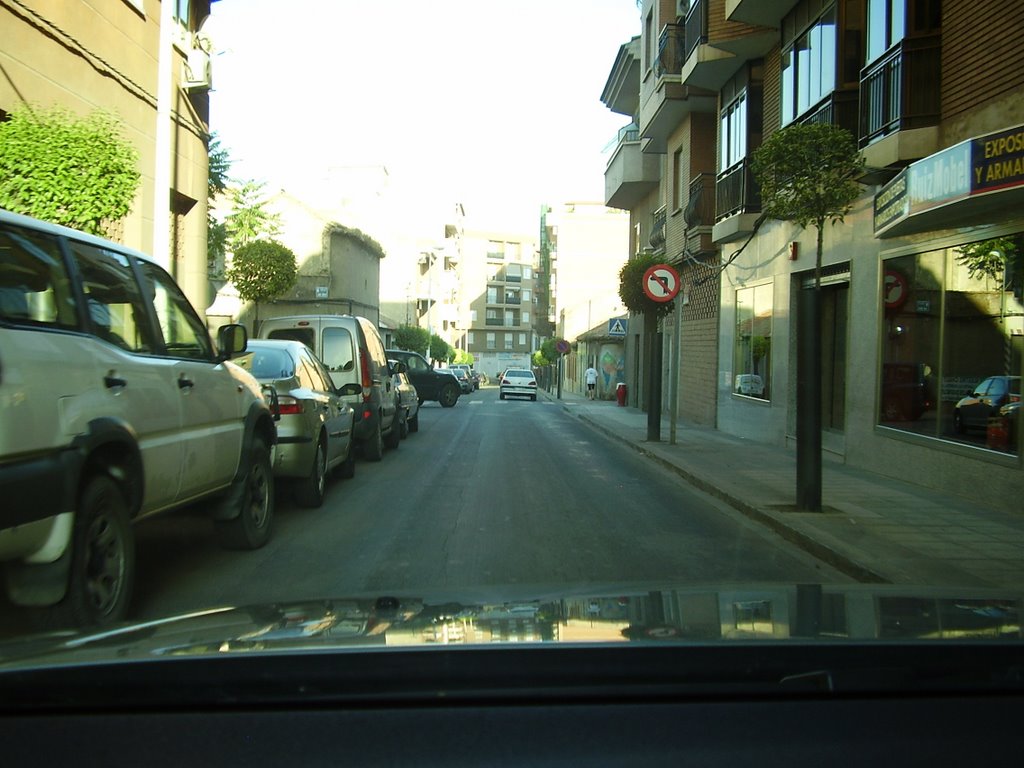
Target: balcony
631, 174
700, 207
900, 103
737, 203
838, 108
621, 92
763, 13
712, 59
493, 321
657, 239
665, 100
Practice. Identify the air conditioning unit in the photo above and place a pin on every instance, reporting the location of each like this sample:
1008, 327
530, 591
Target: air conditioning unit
198, 72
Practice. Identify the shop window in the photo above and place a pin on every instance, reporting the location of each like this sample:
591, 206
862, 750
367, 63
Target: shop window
753, 344
953, 343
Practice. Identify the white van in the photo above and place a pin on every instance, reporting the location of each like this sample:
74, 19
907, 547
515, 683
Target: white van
351, 349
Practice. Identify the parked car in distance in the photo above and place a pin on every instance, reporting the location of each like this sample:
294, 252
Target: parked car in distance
351, 349
974, 410
408, 397
465, 382
314, 427
519, 382
116, 406
430, 383
473, 378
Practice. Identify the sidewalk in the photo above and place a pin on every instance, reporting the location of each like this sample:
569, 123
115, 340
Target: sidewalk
874, 529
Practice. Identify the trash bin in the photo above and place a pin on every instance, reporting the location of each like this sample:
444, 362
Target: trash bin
620, 394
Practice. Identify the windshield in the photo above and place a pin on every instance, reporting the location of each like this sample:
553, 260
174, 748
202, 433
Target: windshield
705, 392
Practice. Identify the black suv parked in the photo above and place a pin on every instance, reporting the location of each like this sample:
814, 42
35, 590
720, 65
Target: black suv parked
430, 383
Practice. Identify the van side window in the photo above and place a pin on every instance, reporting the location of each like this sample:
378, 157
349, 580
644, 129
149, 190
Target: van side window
337, 353
115, 306
184, 333
34, 285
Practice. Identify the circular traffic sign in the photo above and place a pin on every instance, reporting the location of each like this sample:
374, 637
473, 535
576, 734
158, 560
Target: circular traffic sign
661, 283
562, 347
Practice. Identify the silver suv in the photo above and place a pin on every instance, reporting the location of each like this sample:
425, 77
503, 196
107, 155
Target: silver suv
114, 405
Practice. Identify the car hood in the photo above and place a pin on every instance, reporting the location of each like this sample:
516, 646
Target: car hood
613, 615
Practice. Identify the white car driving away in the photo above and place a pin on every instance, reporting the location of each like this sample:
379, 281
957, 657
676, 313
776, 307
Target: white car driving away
518, 381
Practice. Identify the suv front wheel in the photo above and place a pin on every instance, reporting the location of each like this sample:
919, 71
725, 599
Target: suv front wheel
250, 529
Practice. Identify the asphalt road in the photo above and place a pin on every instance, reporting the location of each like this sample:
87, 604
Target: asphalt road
489, 499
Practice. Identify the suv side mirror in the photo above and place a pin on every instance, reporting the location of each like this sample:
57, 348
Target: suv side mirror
232, 339
352, 388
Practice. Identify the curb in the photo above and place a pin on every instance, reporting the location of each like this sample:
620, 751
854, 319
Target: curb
811, 546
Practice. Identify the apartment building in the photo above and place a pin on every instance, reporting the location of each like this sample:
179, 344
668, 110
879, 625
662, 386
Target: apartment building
921, 290
105, 55
495, 299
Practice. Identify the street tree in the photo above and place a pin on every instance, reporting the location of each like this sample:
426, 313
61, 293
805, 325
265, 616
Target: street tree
217, 184
412, 338
76, 171
250, 218
807, 175
262, 270
440, 350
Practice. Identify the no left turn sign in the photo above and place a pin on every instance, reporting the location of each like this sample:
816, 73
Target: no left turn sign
661, 283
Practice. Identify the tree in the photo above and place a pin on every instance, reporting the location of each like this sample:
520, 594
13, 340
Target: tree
75, 171
440, 350
412, 338
262, 270
249, 219
807, 175
217, 184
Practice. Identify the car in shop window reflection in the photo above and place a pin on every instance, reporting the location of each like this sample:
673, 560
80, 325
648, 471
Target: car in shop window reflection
973, 411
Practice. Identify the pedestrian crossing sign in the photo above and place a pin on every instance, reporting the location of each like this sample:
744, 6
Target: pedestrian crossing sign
618, 326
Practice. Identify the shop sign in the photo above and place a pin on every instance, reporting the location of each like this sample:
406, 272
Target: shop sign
977, 166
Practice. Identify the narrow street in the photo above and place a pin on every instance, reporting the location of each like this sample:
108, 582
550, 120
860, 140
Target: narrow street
490, 498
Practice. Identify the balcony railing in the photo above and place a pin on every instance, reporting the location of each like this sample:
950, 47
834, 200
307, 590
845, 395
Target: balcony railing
628, 133
696, 26
512, 300
700, 209
900, 91
838, 108
657, 239
736, 191
671, 51
493, 321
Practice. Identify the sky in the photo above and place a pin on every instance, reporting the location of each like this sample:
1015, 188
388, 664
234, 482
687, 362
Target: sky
494, 105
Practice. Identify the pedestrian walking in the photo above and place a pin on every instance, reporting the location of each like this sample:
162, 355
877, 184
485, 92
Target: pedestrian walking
590, 377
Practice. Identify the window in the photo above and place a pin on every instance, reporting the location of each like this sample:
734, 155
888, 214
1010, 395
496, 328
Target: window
809, 67
649, 41
512, 296
490, 340
509, 341
677, 181
116, 309
527, 273
526, 295
492, 294
951, 348
733, 133
510, 318
495, 250
753, 343
472, 315
184, 333
470, 338
338, 349
887, 24
514, 273
522, 339
526, 318
34, 287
